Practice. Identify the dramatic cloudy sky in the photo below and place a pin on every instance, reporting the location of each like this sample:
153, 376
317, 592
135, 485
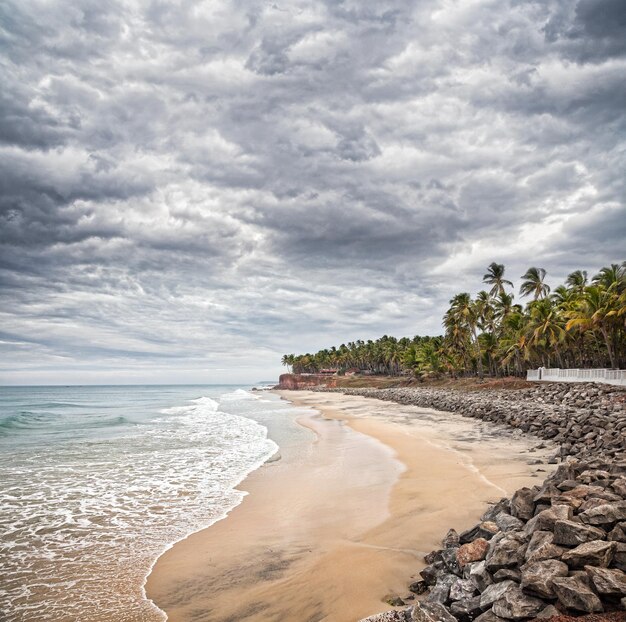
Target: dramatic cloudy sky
190, 189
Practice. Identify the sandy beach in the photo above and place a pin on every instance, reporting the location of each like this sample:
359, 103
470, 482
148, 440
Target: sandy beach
327, 531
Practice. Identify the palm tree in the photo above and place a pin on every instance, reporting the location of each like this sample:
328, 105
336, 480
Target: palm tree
577, 280
495, 277
465, 313
534, 284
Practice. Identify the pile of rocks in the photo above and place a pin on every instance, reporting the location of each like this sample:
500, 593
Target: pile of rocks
587, 420
552, 549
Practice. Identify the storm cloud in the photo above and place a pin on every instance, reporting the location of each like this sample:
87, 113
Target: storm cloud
190, 189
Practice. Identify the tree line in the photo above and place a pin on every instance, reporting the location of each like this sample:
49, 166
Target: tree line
581, 323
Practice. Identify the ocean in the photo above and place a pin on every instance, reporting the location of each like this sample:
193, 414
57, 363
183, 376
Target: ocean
97, 481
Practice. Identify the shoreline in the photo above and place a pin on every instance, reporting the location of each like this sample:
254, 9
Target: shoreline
359, 563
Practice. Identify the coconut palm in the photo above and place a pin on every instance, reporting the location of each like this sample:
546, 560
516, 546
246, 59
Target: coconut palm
534, 284
495, 278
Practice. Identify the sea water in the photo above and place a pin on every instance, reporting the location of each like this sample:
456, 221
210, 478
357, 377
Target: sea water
96, 482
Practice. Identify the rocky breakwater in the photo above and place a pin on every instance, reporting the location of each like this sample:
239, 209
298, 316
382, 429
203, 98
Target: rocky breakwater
586, 420
549, 550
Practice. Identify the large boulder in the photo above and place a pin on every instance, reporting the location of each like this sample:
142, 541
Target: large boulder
595, 553
440, 593
537, 577
605, 514
472, 552
618, 533
515, 605
523, 504
571, 533
462, 589
609, 582
486, 530
544, 521
480, 577
573, 593
541, 546
467, 609
507, 552
495, 592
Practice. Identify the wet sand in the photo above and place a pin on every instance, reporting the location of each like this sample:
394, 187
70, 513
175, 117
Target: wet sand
329, 529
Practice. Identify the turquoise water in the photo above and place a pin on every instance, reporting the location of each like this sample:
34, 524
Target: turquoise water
96, 482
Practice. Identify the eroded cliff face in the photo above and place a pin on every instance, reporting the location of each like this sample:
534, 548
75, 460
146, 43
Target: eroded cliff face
293, 382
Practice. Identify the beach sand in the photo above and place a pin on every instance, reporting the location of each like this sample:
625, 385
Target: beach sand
328, 531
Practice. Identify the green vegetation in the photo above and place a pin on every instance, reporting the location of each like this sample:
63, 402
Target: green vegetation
581, 324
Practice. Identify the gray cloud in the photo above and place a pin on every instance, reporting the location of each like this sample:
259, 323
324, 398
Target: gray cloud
192, 187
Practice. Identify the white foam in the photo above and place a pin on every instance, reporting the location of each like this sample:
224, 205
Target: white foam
113, 506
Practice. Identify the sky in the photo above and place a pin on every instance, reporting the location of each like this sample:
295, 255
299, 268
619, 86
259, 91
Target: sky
190, 189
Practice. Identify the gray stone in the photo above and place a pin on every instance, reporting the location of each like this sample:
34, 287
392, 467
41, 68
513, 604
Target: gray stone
575, 594
394, 600
522, 504
506, 522
430, 612
480, 577
451, 539
418, 587
515, 605
544, 521
571, 533
508, 551
495, 592
486, 530
610, 582
595, 553
605, 514
537, 577
462, 589
541, 546
440, 593
467, 609
449, 557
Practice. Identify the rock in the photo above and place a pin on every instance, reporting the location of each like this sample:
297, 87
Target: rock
472, 552
522, 504
488, 616
430, 612
595, 553
430, 574
605, 514
450, 560
508, 574
515, 605
462, 589
486, 530
544, 521
549, 612
390, 616
506, 522
575, 594
440, 593
570, 533
619, 559
541, 547
618, 534
418, 587
466, 610
508, 551
537, 577
480, 577
451, 540
610, 582
494, 592
394, 600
